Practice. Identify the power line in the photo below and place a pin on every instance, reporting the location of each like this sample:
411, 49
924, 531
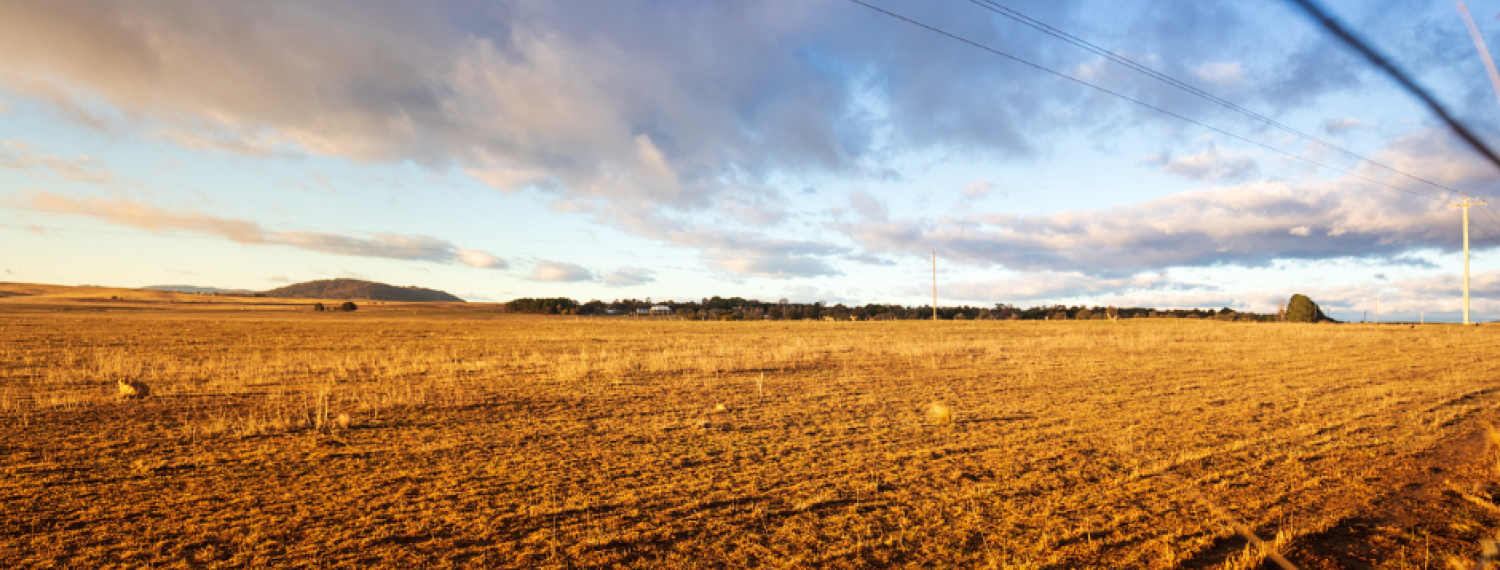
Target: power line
1127, 98
1318, 14
1090, 47
1178, 116
1154, 74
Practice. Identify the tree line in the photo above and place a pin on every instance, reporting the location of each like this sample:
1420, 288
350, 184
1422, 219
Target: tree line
1299, 308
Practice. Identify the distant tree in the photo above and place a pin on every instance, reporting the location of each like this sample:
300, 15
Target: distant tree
1084, 314
348, 306
1301, 309
319, 307
1112, 312
554, 305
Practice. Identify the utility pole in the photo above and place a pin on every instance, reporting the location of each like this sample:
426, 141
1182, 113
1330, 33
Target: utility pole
1467, 203
935, 279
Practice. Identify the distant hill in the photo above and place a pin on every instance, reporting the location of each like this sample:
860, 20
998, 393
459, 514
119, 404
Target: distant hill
357, 289
197, 289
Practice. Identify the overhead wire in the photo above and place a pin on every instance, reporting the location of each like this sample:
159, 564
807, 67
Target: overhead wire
1019, 17
1163, 111
1380, 61
1149, 72
1349, 38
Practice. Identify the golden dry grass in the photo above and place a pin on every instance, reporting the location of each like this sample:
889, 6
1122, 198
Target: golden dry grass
473, 440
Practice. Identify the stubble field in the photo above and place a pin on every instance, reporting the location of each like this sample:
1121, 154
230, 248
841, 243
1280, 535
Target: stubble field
478, 440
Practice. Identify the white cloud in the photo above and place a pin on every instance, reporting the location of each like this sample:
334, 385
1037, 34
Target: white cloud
479, 259
1344, 125
1301, 231
1227, 73
1209, 165
560, 272
978, 188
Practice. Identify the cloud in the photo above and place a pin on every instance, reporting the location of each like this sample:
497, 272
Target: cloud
978, 188
1246, 224
479, 259
629, 276
22, 156
595, 105
560, 272
143, 216
1344, 125
1221, 72
1057, 286
1209, 165
278, 279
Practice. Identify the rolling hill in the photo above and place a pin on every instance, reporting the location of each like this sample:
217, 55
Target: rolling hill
356, 289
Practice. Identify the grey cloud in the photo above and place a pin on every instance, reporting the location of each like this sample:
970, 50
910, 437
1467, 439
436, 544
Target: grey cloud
629, 276
1056, 286
1249, 224
590, 101
144, 216
869, 259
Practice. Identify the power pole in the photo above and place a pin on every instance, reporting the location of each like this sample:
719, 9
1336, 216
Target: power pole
935, 279
1467, 203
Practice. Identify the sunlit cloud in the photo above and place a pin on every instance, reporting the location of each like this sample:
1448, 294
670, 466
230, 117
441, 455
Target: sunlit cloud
21, 156
560, 272
148, 217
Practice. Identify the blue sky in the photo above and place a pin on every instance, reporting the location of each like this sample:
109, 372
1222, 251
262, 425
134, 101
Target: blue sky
808, 149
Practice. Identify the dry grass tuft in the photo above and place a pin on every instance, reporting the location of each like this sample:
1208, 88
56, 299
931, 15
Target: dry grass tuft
131, 389
938, 414
611, 431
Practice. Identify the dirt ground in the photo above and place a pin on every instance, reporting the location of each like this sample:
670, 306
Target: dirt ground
470, 439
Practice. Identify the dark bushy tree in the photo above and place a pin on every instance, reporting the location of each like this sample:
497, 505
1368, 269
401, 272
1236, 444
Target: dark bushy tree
1301, 309
348, 306
551, 306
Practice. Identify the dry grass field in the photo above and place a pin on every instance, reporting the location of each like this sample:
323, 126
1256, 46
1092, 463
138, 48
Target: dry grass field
467, 439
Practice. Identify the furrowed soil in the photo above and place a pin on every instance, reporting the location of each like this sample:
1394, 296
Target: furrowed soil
478, 440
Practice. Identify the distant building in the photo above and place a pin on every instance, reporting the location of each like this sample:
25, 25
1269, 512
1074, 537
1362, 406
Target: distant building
656, 311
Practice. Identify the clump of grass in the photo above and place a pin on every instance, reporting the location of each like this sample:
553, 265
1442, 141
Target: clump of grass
938, 414
132, 389
342, 421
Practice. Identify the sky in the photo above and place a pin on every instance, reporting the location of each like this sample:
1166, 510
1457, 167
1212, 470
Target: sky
815, 150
